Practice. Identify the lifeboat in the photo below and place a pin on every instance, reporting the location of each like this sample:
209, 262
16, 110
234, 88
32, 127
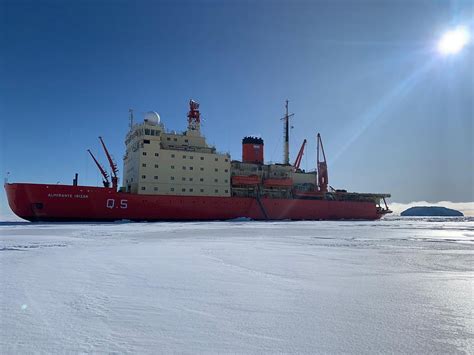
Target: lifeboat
245, 180
278, 183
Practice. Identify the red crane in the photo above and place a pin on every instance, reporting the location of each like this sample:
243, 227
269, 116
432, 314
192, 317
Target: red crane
105, 180
322, 167
299, 156
112, 164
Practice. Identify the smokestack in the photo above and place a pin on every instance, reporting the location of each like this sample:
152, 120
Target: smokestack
252, 150
74, 181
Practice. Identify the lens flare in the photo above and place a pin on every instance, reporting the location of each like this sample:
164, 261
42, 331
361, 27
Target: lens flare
453, 41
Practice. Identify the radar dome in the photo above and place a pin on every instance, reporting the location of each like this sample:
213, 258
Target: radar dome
152, 117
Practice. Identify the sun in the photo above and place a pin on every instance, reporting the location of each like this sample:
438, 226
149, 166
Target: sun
453, 41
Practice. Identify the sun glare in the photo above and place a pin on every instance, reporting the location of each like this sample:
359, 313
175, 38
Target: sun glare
453, 41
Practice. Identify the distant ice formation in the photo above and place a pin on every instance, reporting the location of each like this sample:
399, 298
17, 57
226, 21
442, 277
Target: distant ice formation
467, 208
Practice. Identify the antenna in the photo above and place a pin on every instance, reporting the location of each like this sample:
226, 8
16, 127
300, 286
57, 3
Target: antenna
286, 144
130, 117
194, 116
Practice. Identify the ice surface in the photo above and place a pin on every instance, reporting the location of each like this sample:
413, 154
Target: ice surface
398, 285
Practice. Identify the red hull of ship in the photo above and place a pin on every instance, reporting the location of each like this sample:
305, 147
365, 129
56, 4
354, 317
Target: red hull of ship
41, 202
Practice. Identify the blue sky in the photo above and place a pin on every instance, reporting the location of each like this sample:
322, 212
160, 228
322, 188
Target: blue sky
395, 115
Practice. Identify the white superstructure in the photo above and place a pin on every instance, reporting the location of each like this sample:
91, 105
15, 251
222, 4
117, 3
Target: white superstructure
170, 163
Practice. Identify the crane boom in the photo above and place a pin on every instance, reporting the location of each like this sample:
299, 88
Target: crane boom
299, 156
322, 166
112, 164
105, 180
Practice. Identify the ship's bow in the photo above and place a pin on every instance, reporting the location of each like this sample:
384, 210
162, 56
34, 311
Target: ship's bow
20, 201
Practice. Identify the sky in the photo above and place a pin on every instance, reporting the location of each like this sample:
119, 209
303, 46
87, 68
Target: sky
395, 115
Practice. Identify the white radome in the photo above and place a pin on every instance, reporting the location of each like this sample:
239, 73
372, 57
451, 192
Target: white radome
453, 41
153, 117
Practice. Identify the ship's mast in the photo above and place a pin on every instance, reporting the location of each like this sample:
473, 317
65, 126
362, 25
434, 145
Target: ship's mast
286, 146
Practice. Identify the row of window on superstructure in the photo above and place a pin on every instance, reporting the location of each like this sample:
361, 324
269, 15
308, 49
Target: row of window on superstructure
186, 168
152, 132
185, 156
184, 179
176, 139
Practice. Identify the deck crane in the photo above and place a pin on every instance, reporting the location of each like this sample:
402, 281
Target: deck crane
322, 166
105, 180
112, 164
299, 156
